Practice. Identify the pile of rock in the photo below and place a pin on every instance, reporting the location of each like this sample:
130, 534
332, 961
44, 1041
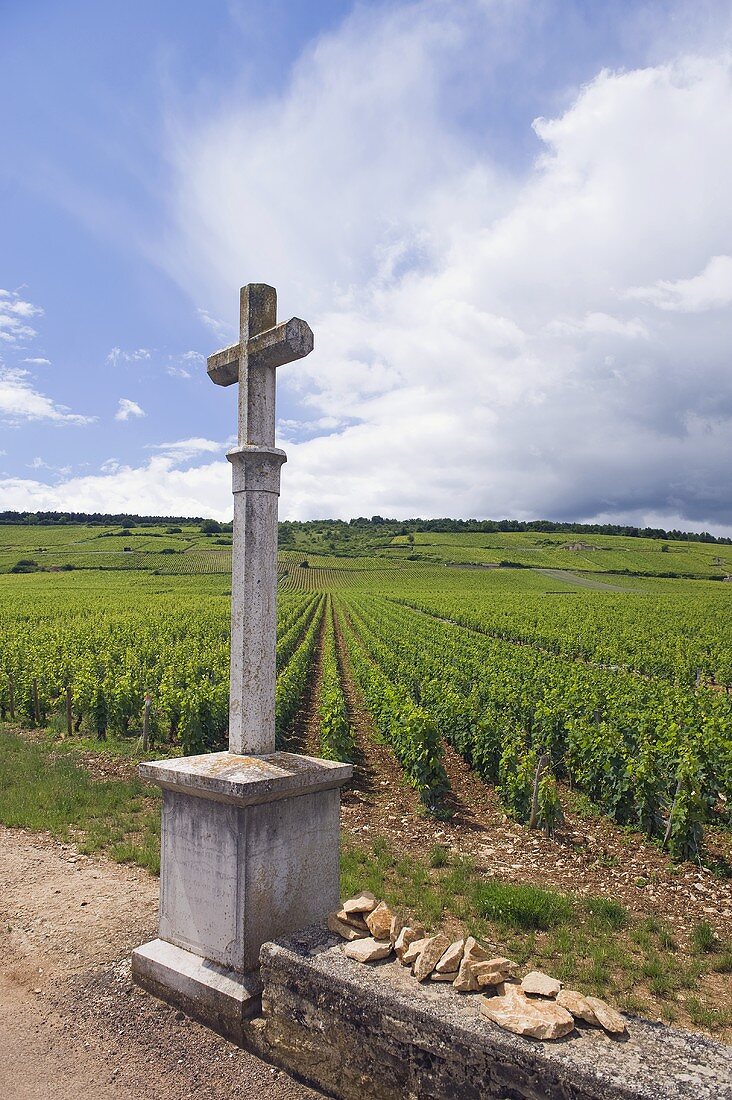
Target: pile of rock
536, 1006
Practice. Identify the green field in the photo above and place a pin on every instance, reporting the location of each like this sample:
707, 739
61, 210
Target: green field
556, 672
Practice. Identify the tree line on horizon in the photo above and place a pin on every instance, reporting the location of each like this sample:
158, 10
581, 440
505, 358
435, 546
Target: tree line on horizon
385, 526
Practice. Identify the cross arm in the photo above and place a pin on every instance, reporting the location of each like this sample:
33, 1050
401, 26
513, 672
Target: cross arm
282, 344
274, 347
223, 366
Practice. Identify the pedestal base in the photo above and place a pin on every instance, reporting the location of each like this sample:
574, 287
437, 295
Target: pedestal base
221, 999
249, 853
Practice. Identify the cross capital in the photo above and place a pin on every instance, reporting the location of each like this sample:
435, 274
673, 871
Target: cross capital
263, 346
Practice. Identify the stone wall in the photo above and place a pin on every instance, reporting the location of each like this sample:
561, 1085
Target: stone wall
357, 1030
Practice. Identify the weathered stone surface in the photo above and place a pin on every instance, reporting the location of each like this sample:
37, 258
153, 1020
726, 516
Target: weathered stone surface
389, 1037
452, 958
396, 926
368, 950
263, 346
347, 931
406, 937
607, 1017
354, 919
515, 1012
474, 952
445, 976
466, 981
361, 903
578, 1005
413, 950
227, 823
379, 921
218, 998
540, 984
429, 956
493, 971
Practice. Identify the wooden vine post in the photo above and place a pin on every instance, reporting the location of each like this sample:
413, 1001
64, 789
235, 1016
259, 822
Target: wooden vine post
146, 722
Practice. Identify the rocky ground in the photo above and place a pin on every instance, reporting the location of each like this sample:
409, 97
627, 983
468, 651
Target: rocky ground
72, 1023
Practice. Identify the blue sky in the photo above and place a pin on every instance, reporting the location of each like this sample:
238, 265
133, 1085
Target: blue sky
507, 223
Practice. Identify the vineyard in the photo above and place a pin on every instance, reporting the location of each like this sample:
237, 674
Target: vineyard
538, 679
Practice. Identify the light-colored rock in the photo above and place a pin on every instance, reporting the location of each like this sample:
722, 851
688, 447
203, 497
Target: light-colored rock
396, 926
515, 1012
493, 971
448, 976
379, 921
354, 919
429, 956
578, 1005
474, 952
541, 984
466, 981
452, 958
406, 937
361, 903
368, 950
347, 931
413, 951
607, 1017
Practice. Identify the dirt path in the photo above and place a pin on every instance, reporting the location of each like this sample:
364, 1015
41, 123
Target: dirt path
305, 736
72, 1023
582, 581
378, 800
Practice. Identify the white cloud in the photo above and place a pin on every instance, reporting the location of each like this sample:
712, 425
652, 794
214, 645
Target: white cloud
39, 464
156, 488
193, 359
221, 330
15, 313
480, 336
183, 449
39, 362
21, 402
710, 289
118, 355
127, 408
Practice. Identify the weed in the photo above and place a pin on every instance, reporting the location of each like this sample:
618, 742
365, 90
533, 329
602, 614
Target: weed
706, 1017
56, 794
723, 963
439, 856
703, 937
521, 906
607, 912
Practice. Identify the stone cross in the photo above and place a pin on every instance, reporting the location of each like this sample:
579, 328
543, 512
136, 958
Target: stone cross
263, 346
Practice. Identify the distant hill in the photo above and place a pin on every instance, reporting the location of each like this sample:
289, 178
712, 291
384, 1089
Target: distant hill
376, 524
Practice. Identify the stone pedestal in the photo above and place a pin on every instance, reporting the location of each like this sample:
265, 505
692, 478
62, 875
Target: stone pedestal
249, 853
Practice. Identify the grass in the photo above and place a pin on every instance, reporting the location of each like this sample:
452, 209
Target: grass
703, 937
590, 943
593, 944
522, 907
120, 818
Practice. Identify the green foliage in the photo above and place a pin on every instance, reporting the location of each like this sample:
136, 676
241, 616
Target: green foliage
703, 937
607, 912
404, 725
292, 680
522, 907
439, 856
59, 796
550, 808
336, 742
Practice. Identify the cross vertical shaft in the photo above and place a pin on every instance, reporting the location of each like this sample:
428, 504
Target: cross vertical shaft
263, 346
